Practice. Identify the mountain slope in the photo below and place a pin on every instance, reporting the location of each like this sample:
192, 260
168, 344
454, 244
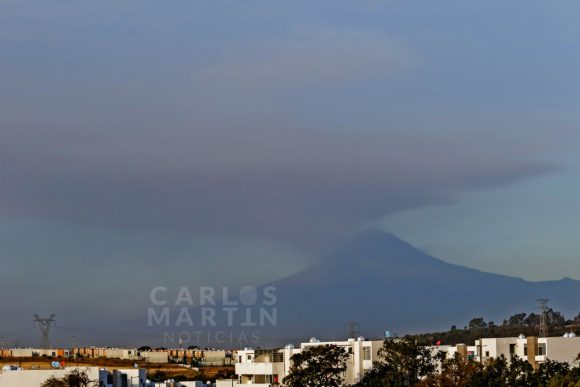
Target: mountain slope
385, 283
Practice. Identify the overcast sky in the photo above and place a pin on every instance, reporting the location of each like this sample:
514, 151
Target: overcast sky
232, 142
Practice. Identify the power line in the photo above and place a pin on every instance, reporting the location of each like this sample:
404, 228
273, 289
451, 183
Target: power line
106, 332
14, 331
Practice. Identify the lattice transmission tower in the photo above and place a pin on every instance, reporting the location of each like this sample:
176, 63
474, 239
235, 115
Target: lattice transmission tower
44, 325
353, 329
543, 331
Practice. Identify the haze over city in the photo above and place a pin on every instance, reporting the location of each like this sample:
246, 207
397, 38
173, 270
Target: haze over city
208, 143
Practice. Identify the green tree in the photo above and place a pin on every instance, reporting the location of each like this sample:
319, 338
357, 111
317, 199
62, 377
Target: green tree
555, 318
533, 320
521, 374
550, 369
571, 379
477, 323
54, 382
495, 372
75, 378
517, 319
401, 363
455, 372
321, 365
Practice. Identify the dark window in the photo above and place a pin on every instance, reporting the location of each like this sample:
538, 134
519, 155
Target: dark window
366, 353
542, 349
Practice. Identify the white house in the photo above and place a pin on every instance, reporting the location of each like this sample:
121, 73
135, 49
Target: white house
533, 349
131, 377
122, 353
159, 357
264, 367
34, 378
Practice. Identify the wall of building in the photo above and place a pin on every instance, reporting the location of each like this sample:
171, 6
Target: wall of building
561, 348
155, 357
564, 349
34, 378
492, 348
215, 358
252, 364
21, 352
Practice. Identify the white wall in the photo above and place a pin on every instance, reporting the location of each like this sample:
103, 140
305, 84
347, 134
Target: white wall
356, 365
34, 378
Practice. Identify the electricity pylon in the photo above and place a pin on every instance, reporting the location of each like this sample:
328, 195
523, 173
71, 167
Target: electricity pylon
44, 325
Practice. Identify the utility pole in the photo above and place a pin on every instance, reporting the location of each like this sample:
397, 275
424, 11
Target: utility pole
543, 331
44, 325
72, 349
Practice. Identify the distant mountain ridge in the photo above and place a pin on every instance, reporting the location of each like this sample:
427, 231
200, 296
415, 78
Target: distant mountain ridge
384, 283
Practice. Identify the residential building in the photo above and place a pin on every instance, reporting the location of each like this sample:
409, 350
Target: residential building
264, 367
121, 353
34, 378
535, 350
159, 357
130, 377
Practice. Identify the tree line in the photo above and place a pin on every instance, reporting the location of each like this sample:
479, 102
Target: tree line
519, 323
404, 362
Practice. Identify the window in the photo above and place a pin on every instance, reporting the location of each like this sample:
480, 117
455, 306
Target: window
525, 350
278, 357
486, 353
366, 353
542, 349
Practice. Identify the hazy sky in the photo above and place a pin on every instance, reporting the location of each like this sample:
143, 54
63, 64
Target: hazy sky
233, 142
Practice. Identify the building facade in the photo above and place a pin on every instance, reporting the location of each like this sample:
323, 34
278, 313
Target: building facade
264, 367
535, 350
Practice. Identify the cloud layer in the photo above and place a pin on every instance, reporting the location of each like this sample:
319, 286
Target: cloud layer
301, 136
288, 124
